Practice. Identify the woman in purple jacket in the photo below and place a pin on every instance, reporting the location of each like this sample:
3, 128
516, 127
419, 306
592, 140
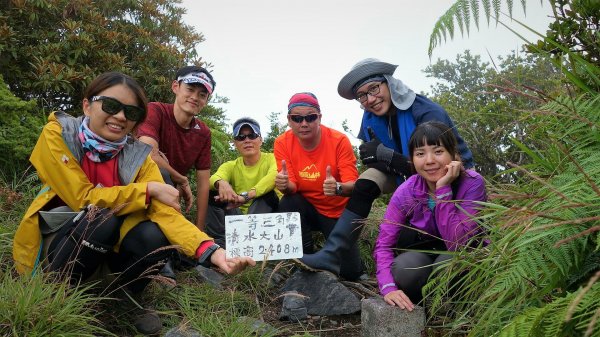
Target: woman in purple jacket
432, 210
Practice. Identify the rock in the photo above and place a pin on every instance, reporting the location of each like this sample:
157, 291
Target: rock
380, 319
259, 327
182, 331
294, 307
325, 294
209, 276
272, 277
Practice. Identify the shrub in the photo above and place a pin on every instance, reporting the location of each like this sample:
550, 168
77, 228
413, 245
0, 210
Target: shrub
20, 125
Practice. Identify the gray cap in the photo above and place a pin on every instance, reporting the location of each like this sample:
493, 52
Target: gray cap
363, 69
237, 125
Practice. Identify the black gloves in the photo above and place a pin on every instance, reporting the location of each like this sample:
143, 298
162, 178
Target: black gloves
368, 150
376, 155
400, 165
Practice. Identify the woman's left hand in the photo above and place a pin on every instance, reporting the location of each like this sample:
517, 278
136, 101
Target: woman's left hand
232, 265
453, 171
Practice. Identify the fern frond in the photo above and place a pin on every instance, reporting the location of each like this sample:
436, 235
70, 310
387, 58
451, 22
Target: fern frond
444, 26
509, 4
487, 9
466, 17
475, 10
462, 11
550, 320
497, 4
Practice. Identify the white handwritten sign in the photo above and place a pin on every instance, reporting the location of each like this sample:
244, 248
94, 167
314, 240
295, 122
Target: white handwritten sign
271, 236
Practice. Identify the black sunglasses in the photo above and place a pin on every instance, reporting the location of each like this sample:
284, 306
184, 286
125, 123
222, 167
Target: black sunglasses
308, 118
112, 107
241, 138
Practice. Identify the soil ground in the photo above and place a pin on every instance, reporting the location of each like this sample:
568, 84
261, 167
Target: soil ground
324, 326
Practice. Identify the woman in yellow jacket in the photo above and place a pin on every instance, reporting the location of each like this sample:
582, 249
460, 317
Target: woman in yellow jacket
92, 163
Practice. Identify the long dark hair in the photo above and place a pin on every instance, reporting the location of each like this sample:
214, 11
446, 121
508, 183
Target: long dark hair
112, 78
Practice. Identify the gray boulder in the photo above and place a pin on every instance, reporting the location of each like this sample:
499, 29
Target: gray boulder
379, 319
272, 277
325, 294
209, 276
294, 307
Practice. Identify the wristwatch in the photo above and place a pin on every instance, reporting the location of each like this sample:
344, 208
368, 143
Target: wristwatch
338, 188
245, 196
204, 259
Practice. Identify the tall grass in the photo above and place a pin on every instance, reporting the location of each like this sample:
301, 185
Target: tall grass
37, 306
539, 275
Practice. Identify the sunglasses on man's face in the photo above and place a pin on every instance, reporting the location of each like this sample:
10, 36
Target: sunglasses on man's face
308, 118
112, 107
241, 138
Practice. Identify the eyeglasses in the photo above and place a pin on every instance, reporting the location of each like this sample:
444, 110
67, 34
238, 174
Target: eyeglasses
251, 136
308, 118
112, 107
374, 90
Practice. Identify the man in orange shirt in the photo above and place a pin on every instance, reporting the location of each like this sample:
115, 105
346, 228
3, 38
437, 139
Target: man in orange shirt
317, 171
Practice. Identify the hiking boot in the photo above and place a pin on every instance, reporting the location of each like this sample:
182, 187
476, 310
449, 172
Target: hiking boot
340, 254
167, 270
145, 320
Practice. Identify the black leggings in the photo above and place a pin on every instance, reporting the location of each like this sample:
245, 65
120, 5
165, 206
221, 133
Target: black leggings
141, 254
78, 249
411, 269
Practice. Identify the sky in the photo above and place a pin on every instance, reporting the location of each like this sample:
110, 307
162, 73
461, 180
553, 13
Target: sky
261, 52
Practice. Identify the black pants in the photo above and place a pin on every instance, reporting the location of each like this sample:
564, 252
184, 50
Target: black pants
78, 249
310, 219
411, 269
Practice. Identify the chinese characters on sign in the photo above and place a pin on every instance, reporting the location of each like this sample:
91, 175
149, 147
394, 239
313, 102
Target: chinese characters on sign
270, 236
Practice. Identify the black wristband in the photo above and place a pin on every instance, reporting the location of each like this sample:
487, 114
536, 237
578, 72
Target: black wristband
204, 259
338, 188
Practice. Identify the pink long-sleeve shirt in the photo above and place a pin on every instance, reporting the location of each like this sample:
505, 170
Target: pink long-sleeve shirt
451, 220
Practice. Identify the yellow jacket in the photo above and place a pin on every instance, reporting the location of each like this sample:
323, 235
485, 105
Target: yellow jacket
57, 156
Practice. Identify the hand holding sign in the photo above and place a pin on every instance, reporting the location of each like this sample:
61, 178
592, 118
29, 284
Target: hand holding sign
329, 184
233, 265
270, 236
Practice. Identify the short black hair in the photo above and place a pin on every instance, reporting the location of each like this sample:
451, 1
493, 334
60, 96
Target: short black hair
433, 133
